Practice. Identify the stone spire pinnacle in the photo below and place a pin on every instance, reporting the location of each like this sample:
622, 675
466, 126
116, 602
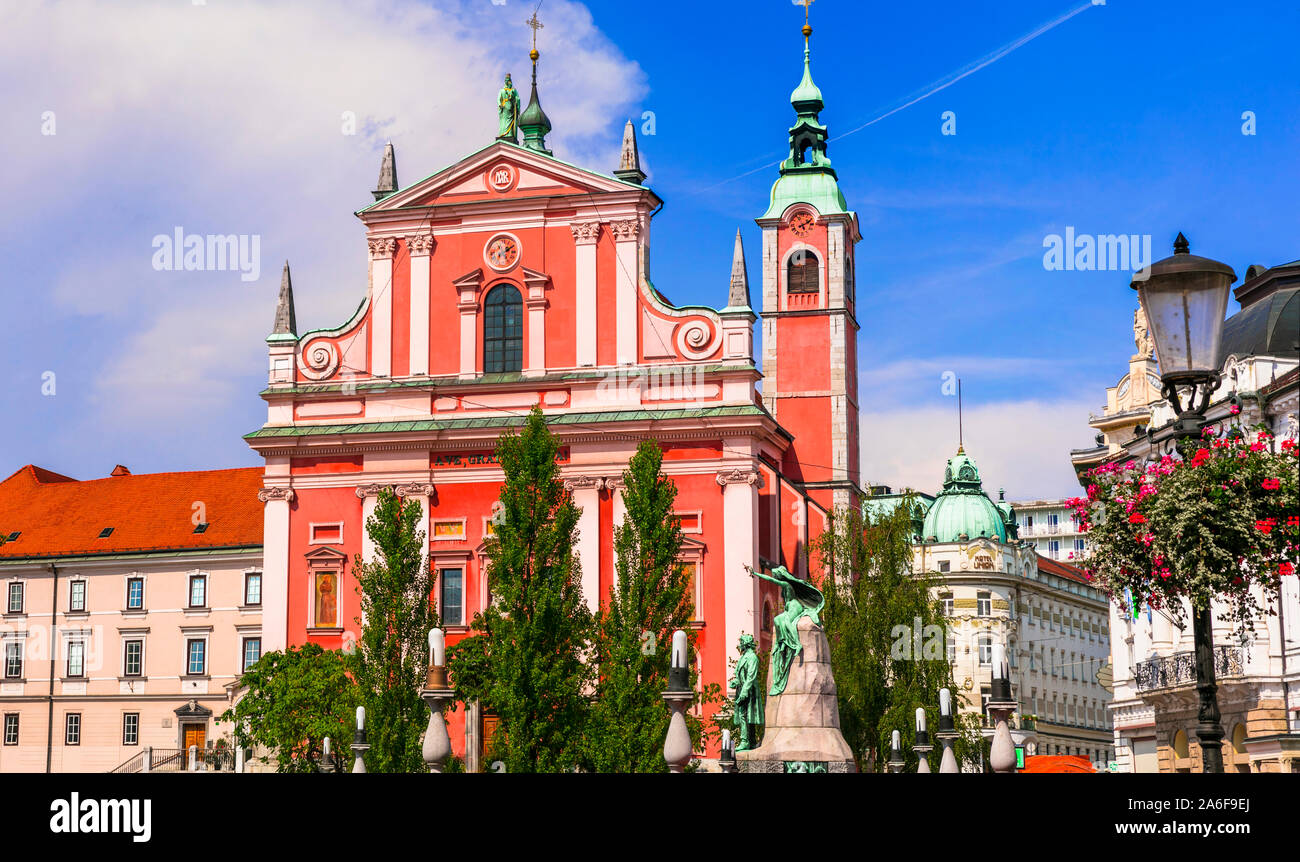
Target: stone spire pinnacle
629, 163
286, 321
738, 297
387, 173
533, 122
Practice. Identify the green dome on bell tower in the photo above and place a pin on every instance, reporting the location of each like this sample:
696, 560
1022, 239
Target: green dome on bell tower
962, 511
806, 174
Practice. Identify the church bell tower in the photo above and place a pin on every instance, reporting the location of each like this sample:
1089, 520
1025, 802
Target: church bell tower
810, 377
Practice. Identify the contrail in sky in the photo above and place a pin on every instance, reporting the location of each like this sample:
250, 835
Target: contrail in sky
941, 84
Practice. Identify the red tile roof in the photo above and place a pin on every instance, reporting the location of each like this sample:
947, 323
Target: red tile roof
58, 516
1061, 570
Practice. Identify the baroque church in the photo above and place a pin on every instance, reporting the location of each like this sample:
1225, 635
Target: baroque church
513, 279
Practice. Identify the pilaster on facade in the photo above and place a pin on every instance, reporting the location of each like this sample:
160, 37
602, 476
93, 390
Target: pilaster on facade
420, 247
468, 287
586, 496
585, 237
626, 235
382, 250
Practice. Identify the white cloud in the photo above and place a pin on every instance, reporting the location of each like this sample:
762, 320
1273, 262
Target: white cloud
227, 118
1022, 446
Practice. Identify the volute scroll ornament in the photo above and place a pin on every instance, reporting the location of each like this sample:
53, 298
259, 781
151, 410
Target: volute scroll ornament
740, 477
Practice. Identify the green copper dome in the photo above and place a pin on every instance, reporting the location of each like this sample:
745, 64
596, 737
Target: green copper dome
962, 511
807, 97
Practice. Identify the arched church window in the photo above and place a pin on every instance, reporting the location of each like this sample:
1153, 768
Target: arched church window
802, 274
503, 330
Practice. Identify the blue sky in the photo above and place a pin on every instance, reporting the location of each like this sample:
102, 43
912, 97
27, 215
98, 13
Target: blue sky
225, 118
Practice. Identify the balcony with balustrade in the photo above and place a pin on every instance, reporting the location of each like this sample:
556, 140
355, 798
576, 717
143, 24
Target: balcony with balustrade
1177, 671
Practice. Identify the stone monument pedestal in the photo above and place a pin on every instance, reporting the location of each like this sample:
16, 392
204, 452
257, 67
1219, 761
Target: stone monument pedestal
801, 731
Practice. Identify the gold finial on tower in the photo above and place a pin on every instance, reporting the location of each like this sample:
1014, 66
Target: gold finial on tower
536, 25
807, 28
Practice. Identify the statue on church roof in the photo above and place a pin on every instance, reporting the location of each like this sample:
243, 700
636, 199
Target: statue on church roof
801, 599
508, 112
749, 697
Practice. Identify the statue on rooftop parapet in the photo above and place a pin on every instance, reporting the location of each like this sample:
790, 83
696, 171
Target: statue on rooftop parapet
508, 112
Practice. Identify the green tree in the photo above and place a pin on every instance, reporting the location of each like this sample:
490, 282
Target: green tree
392, 655
295, 699
649, 600
875, 607
532, 665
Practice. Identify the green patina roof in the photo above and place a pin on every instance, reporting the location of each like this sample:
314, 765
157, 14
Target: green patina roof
506, 421
821, 190
963, 509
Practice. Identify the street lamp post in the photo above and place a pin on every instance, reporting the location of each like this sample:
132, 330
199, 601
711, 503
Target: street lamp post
1185, 298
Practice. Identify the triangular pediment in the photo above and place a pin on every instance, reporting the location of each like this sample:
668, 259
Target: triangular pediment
500, 172
326, 555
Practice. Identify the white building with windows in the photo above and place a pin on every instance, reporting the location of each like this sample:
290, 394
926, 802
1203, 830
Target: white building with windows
1052, 528
133, 603
997, 588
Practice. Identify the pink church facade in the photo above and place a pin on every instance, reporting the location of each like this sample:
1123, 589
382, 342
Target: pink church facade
510, 280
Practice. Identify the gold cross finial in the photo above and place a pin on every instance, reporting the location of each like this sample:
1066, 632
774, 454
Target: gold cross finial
536, 25
807, 28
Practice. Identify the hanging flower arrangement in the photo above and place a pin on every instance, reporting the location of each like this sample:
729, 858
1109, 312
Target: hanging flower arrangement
1217, 521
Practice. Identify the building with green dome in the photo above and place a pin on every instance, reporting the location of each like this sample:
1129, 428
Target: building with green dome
996, 588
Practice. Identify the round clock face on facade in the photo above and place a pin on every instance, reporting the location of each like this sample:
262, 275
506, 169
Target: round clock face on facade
502, 252
801, 224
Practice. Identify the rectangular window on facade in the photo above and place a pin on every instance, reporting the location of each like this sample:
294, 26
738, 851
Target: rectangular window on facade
15, 605
692, 570
135, 594
253, 588
326, 534
986, 652
198, 591
951, 644
252, 651
131, 728
11, 728
449, 530
1054, 549
76, 658
946, 599
944, 566
326, 604
13, 659
196, 657
1078, 547
688, 521
76, 595
133, 658
984, 604
72, 729
451, 586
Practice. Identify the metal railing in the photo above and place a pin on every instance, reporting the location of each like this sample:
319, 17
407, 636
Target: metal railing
192, 759
1180, 668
